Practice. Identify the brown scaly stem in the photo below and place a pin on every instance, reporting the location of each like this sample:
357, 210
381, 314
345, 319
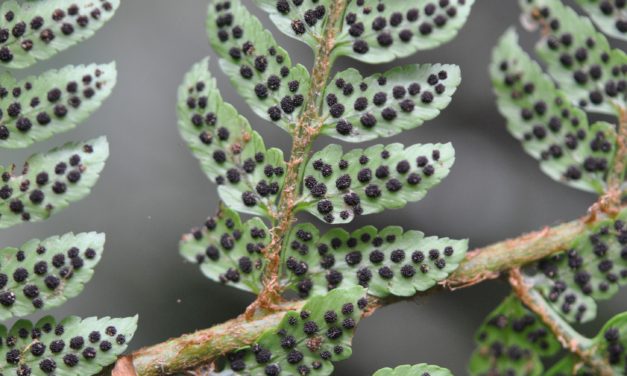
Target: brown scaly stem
201, 348
304, 133
567, 336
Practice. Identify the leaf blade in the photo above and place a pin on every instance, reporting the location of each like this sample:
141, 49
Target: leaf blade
39, 30
336, 191
27, 120
388, 262
400, 99
259, 69
375, 33
551, 129
41, 274
414, 370
230, 153
228, 250
48, 188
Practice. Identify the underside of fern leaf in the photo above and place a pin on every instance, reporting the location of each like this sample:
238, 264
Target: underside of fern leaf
37, 108
49, 182
37, 30
44, 274
386, 262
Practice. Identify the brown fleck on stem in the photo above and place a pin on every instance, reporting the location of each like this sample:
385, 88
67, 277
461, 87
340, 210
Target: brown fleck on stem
567, 336
196, 349
304, 133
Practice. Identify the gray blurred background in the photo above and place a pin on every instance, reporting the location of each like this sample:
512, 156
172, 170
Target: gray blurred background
152, 189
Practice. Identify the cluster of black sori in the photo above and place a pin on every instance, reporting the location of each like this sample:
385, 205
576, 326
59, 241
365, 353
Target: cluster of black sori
594, 69
305, 341
24, 34
555, 123
367, 18
35, 103
614, 8
615, 348
367, 258
595, 268
48, 348
42, 274
40, 190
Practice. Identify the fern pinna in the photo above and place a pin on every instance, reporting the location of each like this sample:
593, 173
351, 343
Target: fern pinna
270, 254
42, 274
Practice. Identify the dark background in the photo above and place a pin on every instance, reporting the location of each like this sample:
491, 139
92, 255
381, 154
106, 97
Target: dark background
153, 190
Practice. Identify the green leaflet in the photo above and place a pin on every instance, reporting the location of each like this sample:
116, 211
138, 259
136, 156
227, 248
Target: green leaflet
73, 347
227, 250
381, 31
358, 109
340, 186
299, 19
386, 262
52, 103
608, 347
592, 269
415, 370
260, 70
230, 152
610, 17
306, 342
38, 30
579, 58
44, 274
549, 127
50, 181
512, 341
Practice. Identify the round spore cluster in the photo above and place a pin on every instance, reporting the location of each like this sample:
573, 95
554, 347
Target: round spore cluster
378, 260
50, 182
48, 348
594, 268
597, 72
366, 181
231, 152
230, 251
373, 25
553, 128
307, 16
259, 68
37, 276
304, 343
27, 32
34, 107
383, 105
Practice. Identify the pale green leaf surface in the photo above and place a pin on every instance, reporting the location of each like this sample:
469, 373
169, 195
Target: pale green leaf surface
227, 250
386, 262
592, 269
50, 181
259, 69
415, 370
48, 347
608, 15
52, 103
43, 274
38, 30
381, 31
340, 186
309, 341
579, 58
230, 153
358, 109
551, 129
512, 341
